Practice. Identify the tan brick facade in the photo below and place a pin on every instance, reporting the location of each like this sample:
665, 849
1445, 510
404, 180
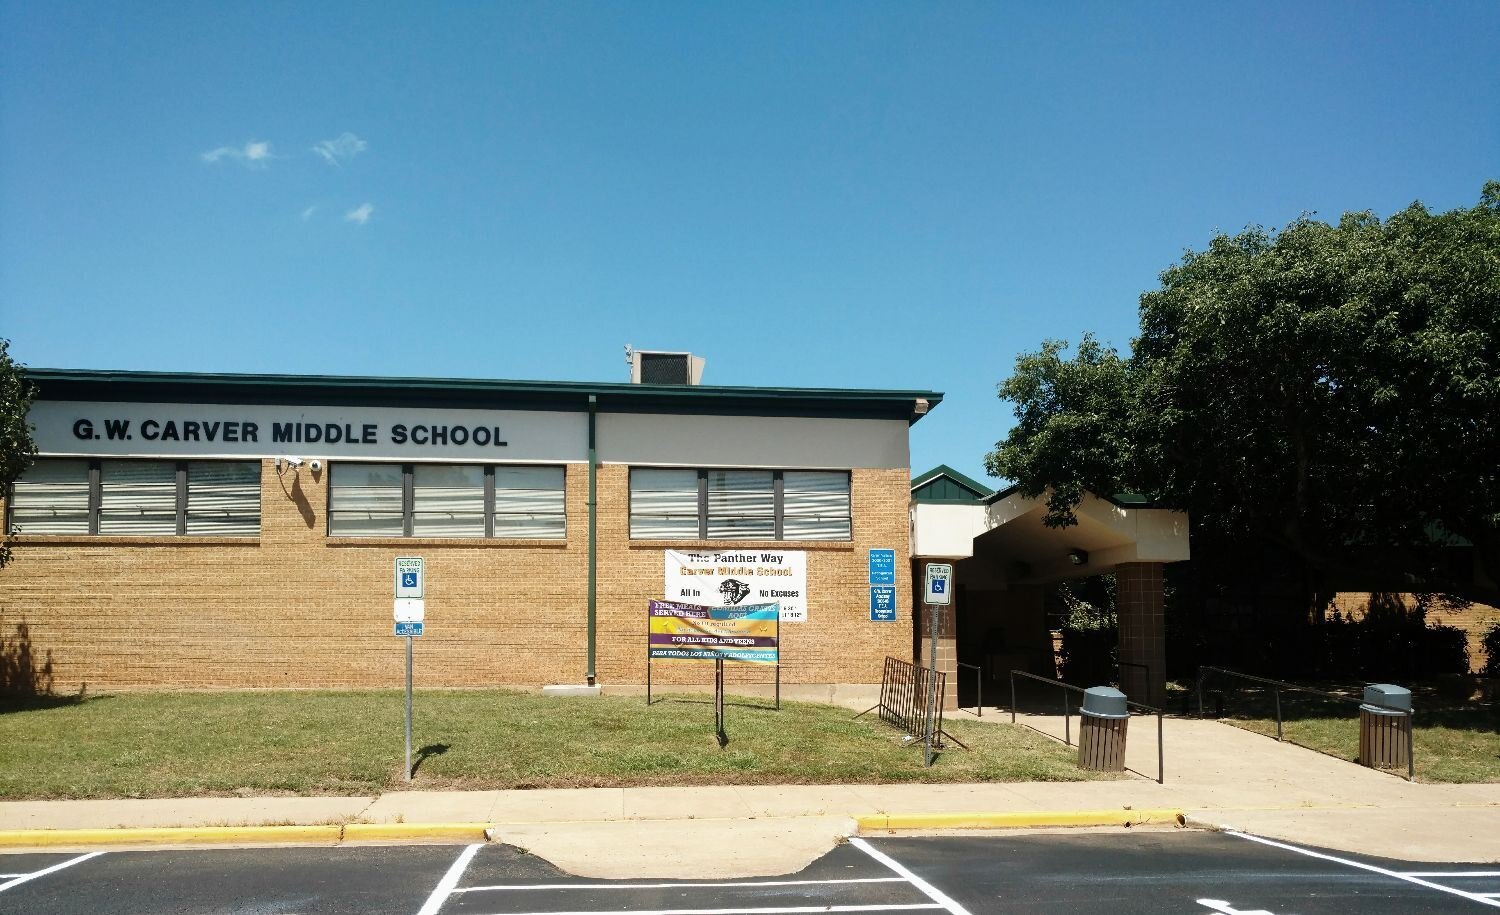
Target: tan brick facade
1475, 619
296, 608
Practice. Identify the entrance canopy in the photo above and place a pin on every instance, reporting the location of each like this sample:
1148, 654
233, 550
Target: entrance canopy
1004, 553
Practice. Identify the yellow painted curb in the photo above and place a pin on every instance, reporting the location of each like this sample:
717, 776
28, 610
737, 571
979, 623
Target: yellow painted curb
1019, 819
364, 832
182, 835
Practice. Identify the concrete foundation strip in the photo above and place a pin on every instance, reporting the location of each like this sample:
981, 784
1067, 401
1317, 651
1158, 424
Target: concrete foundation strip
1019, 819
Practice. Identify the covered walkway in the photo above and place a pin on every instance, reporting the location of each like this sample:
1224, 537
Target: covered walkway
1004, 558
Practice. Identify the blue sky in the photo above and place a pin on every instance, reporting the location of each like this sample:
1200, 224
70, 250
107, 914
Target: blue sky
825, 194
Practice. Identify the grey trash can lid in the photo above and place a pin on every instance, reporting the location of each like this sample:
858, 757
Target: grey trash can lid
1104, 702
1386, 694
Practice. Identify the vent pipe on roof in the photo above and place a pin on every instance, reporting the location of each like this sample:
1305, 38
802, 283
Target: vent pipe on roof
660, 367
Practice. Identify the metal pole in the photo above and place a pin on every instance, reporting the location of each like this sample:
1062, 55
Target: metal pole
1161, 755
409, 640
1411, 759
593, 586
1012, 697
979, 691
1200, 692
1277, 691
648, 662
1067, 722
932, 698
780, 643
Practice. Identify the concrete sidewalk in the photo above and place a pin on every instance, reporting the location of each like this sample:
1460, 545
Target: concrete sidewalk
1217, 775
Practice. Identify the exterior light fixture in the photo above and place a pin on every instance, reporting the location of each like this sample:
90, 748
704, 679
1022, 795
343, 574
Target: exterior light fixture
1078, 557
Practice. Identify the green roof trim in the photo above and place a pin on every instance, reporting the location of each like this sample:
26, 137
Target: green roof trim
944, 484
1119, 499
476, 393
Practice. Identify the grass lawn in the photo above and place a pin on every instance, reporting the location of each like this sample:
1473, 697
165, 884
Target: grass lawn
164, 745
1451, 742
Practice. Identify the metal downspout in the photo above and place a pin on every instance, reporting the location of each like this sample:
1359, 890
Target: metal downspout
593, 530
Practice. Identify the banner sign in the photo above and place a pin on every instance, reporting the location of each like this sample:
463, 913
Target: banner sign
734, 578
690, 632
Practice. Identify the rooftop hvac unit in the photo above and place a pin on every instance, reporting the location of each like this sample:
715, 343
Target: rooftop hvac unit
656, 367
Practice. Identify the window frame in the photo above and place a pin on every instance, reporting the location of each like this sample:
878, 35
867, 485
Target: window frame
408, 501
180, 484
778, 500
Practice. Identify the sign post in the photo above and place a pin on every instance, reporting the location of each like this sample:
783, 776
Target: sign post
411, 609
937, 592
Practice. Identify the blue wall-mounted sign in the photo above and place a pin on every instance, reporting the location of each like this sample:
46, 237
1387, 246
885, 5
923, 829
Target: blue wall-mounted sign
882, 604
412, 629
882, 567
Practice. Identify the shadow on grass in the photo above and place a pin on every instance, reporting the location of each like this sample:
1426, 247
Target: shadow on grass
736, 702
432, 749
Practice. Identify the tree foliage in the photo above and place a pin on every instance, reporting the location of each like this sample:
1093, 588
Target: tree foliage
1331, 390
16, 447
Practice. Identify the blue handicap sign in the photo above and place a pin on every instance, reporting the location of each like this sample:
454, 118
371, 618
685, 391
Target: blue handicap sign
882, 567
412, 629
408, 579
939, 586
882, 604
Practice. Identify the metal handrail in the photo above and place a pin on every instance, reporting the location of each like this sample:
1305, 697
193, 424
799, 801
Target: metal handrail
978, 689
1279, 685
1161, 766
1145, 667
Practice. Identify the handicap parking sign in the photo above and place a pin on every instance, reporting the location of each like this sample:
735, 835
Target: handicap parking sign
409, 576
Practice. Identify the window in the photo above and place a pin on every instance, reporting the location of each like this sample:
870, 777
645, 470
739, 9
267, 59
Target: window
674, 504
446, 500
52, 497
133, 498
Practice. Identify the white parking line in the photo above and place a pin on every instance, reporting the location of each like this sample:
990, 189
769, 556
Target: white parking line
1449, 873
22, 878
670, 886
930, 891
445, 886
1481, 898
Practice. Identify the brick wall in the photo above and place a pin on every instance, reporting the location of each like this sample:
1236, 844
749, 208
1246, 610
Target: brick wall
838, 643
296, 608
1475, 620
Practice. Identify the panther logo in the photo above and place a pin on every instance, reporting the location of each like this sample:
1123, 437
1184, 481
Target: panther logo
734, 591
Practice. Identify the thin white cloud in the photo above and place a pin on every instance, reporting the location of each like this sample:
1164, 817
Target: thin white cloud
360, 214
254, 154
345, 146
307, 213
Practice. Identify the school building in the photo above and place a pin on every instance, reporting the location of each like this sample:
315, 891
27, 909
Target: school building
212, 531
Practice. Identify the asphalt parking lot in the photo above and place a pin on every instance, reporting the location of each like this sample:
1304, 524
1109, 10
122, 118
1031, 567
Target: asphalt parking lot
1138, 872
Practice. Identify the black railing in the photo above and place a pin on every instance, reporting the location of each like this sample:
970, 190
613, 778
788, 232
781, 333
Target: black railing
978, 689
904, 703
1150, 693
1278, 685
1161, 765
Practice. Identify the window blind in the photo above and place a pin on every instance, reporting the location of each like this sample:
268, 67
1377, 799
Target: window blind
52, 497
815, 505
223, 498
447, 500
741, 505
138, 498
663, 504
365, 500
530, 502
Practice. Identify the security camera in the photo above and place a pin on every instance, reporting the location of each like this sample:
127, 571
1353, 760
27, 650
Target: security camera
315, 466
291, 462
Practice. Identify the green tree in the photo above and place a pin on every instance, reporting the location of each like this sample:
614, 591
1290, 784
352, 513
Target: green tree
16, 447
1329, 392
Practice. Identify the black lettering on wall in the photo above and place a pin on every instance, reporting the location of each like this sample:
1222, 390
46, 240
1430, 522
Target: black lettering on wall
280, 432
117, 429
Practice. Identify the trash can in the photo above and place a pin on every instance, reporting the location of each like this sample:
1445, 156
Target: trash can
1384, 732
1101, 729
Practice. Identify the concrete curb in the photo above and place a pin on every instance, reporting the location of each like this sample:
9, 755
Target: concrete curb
1019, 819
242, 835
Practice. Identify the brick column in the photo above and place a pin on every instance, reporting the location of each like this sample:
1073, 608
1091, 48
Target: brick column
947, 650
1138, 598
